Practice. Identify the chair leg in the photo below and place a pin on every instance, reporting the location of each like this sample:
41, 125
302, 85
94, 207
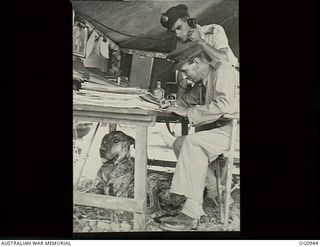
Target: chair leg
218, 180
75, 138
227, 192
229, 167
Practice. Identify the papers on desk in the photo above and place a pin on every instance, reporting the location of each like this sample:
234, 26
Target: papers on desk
102, 81
99, 91
112, 89
107, 99
149, 98
101, 84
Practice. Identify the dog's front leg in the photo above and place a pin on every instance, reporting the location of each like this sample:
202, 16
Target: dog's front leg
152, 188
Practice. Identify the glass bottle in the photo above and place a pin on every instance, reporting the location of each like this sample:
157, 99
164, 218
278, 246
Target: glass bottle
158, 92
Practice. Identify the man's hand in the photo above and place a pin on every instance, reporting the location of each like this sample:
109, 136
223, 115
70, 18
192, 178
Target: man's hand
193, 34
179, 110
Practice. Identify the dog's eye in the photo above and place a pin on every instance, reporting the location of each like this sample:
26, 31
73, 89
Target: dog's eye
116, 140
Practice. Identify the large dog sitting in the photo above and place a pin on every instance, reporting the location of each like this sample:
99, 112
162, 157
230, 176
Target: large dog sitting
116, 175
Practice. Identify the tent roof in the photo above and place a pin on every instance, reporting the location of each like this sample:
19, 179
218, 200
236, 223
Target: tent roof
136, 24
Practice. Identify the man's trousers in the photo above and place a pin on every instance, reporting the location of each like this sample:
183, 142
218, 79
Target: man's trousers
194, 153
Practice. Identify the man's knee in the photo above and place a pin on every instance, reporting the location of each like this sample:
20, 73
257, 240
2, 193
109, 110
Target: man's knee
177, 144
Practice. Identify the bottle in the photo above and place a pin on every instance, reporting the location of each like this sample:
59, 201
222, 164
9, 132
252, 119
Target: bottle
158, 92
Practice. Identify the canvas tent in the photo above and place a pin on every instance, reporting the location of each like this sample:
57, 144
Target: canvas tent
136, 24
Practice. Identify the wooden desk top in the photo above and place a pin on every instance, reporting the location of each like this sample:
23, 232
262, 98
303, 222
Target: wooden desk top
117, 115
124, 115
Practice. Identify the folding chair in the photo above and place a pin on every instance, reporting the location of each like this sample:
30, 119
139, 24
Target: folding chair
231, 161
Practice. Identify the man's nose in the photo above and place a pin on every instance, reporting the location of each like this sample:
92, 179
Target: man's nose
184, 75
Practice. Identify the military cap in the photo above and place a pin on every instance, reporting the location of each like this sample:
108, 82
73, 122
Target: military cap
184, 53
172, 15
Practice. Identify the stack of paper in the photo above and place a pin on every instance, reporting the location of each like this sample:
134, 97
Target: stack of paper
87, 97
111, 88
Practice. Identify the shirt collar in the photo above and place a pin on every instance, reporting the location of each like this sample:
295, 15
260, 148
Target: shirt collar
205, 29
205, 81
215, 66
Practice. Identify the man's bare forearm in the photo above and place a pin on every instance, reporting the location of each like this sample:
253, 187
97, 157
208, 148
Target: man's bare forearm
219, 55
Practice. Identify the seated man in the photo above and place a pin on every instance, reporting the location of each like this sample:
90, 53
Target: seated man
220, 81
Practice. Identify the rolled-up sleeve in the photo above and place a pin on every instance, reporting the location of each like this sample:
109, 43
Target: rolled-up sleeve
220, 38
225, 102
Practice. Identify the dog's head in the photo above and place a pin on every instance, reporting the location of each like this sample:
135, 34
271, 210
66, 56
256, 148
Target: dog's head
115, 146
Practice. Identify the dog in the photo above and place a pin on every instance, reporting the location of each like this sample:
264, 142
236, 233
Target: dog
116, 176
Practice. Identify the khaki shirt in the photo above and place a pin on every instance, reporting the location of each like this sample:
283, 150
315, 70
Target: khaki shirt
215, 36
221, 95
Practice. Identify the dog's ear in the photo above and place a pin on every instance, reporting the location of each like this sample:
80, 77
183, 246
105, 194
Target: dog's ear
131, 141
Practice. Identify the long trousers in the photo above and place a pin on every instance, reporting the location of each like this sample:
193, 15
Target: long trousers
194, 153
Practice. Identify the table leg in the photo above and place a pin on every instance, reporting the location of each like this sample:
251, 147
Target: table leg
112, 127
184, 127
140, 176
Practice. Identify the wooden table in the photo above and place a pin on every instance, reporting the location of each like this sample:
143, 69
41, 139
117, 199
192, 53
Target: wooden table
169, 117
142, 119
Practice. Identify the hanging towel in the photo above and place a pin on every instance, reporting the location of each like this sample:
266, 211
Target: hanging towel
97, 49
104, 47
90, 43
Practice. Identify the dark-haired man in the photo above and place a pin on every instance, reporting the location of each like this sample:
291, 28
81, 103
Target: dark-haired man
212, 37
215, 41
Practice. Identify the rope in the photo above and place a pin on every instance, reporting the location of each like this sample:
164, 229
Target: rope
226, 20
139, 37
119, 32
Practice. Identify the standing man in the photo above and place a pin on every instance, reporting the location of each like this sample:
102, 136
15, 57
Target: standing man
220, 81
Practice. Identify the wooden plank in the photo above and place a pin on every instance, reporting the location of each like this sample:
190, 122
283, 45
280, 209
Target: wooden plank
218, 181
94, 108
144, 53
114, 118
109, 202
229, 172
113, 115
111, 120
236, 157
162, 163
112, 127
140, 175
161, 169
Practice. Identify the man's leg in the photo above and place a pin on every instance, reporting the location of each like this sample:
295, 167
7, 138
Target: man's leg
177, 145
210, 182
196, 152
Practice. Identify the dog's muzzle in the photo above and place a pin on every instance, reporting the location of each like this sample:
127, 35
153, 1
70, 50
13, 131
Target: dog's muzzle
103, 153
